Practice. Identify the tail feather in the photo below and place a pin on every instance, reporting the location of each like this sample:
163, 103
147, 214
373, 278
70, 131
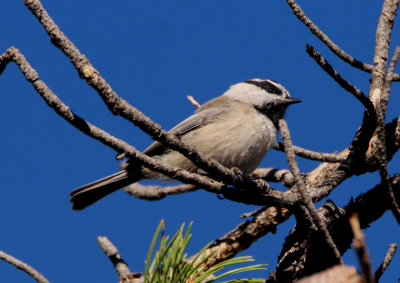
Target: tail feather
88, 194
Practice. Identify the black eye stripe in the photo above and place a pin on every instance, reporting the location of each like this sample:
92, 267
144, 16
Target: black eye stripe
266, 85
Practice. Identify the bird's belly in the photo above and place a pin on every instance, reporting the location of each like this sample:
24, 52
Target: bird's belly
243, 144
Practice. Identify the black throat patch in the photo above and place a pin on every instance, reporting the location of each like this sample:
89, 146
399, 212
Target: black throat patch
273, 112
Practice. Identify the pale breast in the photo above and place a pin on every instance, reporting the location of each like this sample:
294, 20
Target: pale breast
238, 139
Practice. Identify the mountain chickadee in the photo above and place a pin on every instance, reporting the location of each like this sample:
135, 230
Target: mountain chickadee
237, 129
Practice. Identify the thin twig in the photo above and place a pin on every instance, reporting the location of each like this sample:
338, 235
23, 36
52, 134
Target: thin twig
388, 259
158, 192
312, 155
299, 13
303, 191
121, 267
381, 144
119, 106
193, 101
246, 233
323, 63
24, 267
361, 248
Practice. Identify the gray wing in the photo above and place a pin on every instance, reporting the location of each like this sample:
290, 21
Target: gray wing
200, 118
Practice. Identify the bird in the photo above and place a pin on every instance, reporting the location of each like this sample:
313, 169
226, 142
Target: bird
236, 129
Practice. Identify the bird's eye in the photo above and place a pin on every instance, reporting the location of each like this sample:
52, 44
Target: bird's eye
271, 90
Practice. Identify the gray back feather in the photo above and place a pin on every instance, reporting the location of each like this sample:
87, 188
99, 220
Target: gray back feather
206, 114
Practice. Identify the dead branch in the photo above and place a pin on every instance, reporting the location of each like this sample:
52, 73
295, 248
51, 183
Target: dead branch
24, 267
193, 101
121, 267
361, 248
358, 94
387, 260
381, 144
246, 233
382, 40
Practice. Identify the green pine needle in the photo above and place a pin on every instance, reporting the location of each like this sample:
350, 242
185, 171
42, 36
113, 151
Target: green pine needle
170, 265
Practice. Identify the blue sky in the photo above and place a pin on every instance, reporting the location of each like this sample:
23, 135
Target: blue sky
154, 54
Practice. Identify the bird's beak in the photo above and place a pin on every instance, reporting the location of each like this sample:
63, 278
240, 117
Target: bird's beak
292, 101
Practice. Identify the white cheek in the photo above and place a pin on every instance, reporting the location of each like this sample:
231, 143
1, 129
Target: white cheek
247, 93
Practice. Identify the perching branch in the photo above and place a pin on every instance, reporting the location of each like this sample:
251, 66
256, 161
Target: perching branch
23, 266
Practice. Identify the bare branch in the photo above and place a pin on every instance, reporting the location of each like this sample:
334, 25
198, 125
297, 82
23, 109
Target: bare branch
24, 267
301, 187
392, 143
121, 267
193, 101
246, 233
361, 248
312, 155
158, 192
381, 142
388, 259
321, 61
382, 40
